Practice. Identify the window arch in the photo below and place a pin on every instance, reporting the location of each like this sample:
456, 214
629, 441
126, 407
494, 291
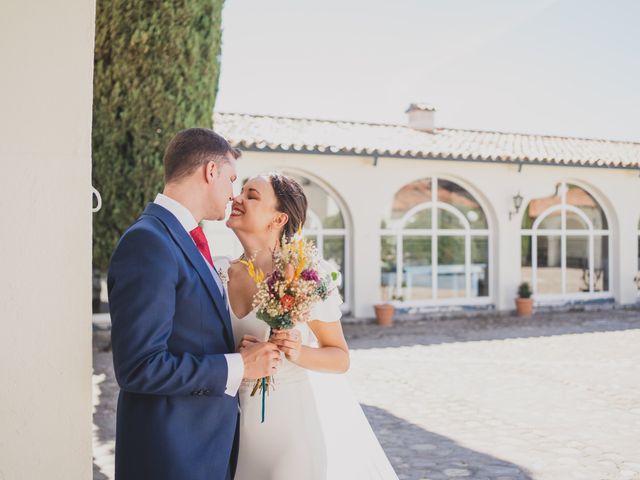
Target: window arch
565, 244
434, 245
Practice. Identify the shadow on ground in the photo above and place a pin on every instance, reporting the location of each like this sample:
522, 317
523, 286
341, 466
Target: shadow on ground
439, 331
97, 474
434, 456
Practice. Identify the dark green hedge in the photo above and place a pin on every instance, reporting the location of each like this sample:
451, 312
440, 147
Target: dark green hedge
156, 72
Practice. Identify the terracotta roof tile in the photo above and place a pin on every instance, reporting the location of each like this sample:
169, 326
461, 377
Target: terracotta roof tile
271, 133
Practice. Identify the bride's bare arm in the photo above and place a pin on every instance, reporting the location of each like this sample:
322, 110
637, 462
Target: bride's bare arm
332, 354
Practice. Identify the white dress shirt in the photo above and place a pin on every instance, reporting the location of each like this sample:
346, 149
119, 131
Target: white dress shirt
235, 364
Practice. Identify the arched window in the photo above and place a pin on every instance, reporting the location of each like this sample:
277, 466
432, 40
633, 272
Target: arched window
565, 244
326, 226
434, 245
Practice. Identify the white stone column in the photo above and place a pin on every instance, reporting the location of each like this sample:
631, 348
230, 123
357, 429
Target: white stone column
46, 53
507, 248
624, 201
367, 212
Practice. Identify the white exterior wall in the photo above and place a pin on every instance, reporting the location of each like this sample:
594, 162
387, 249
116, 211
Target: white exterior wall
366, 190
46, 57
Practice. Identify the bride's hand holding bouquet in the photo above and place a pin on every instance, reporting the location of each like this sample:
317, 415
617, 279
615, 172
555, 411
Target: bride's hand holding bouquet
288, 342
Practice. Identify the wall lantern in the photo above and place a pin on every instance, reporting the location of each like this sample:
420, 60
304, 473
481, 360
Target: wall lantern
517, 203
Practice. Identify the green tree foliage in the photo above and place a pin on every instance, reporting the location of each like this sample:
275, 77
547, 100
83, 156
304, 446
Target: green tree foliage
156, 72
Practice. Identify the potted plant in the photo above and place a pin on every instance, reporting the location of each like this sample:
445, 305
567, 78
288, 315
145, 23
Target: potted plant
384, 314
524, 302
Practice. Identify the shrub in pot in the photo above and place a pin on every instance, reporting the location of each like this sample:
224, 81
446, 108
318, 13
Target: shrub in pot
524, 302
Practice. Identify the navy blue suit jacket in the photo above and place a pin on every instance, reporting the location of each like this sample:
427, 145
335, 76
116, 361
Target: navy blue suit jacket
170, 331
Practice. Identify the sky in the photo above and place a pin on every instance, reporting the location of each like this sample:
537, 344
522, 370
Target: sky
557, 67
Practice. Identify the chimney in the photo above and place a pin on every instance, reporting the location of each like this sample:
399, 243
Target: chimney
421, 116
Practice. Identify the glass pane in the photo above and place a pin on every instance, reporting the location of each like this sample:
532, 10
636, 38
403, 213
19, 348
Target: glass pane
553, 221
549, 275
526, 271
421, 219
601, 263
577, 264
451, 268
416, 268
538, 206
320, 202
461, 199
314, 239
578, 197
334, 220
575, 222
334, 254
479, 267
447, 220
405, 199
388, 246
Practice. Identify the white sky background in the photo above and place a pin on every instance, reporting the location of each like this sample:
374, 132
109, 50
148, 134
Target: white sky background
565, 67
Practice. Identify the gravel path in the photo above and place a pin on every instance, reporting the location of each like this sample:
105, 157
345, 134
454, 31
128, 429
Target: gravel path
553, 397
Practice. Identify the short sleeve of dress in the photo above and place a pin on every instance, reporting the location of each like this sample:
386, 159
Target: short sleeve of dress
328, 310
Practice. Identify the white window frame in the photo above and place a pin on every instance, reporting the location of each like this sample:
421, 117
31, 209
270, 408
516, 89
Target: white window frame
316, 229
434, 233
590, 232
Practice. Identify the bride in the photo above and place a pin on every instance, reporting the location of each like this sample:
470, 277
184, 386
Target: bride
314, 427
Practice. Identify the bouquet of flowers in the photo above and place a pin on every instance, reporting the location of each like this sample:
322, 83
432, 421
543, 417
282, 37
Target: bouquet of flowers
285, 296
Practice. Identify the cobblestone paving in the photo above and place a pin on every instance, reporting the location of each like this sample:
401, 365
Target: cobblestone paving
554, 397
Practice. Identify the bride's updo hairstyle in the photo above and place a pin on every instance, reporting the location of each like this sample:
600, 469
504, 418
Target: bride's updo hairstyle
291, 200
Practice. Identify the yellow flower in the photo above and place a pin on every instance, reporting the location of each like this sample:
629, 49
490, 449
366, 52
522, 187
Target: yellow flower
255, 273
301, 258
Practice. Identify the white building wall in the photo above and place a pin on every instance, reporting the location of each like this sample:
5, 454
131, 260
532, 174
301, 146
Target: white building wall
46, 58
366, 190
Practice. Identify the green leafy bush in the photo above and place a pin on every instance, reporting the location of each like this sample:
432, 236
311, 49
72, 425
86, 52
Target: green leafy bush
156, 70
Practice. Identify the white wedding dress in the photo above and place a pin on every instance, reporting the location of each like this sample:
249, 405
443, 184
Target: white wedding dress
314, 428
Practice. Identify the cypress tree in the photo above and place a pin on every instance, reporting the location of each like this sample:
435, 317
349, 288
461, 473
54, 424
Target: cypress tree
156, 70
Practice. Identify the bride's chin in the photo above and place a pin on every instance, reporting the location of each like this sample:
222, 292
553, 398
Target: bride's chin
233, 223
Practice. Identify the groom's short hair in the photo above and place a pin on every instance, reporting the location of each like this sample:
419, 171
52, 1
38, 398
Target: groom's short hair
193, 147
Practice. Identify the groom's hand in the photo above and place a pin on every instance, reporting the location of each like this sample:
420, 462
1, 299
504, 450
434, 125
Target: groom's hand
260, 358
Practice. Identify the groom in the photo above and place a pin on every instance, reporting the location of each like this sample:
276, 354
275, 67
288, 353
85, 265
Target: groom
173, 347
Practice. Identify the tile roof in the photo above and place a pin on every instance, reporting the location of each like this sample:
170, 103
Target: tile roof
297, 135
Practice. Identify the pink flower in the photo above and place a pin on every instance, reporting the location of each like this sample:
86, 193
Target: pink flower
310, 275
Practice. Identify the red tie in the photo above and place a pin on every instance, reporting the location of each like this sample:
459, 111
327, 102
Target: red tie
201, 242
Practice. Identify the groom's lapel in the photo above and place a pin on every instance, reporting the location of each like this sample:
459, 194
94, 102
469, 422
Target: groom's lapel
188, 246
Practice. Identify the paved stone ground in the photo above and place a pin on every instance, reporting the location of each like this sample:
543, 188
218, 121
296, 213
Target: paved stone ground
554, 397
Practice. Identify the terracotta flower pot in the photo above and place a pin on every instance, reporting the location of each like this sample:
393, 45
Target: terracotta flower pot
384, 314
524, 307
